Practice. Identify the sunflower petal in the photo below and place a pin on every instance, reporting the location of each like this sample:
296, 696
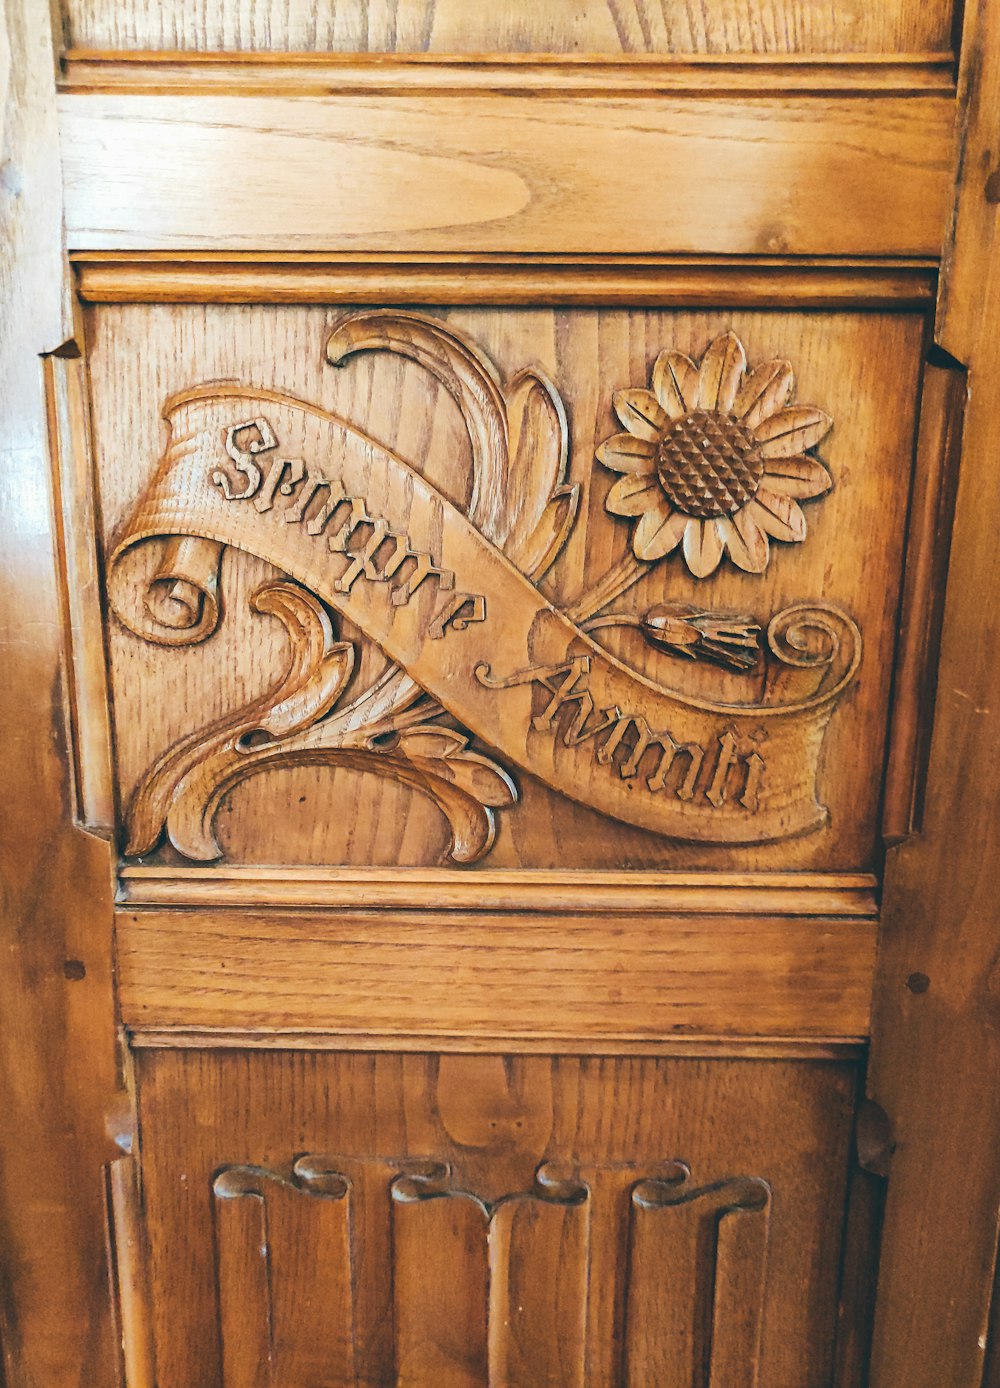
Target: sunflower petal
763, 391
722, 369
640, 413
675, 382
626, 453
791, 431
658, 533
745, 541
631, 495
702, 547
780, 516
800, 476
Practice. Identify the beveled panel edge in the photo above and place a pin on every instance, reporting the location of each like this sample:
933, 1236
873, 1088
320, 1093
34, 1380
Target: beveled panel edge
835, 1048
542, 280
320, 74
551, 891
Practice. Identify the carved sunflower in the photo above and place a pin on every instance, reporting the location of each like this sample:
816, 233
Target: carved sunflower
715, 459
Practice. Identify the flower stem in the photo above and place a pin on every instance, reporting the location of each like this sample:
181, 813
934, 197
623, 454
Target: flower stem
616, 581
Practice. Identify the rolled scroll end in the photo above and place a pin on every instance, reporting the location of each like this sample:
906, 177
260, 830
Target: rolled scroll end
179, 605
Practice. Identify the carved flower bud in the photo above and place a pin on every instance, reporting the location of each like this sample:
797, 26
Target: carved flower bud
727, 638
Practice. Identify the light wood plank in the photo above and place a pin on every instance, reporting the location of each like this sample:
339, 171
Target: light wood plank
496, 975
456, 26
845, 176
791, 893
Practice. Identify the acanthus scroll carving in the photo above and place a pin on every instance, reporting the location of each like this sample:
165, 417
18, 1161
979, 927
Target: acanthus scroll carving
485, 673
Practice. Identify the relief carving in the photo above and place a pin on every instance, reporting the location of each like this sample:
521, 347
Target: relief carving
503, 1291
479, 656
714, 460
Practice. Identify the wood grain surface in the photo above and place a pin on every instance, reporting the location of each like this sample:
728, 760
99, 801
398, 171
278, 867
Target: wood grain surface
57, 1041
602, 1136
552, 890
483, 280
588, 1111
762, 176
936, 1049
526, 26
495, 975
326, 74
139, 355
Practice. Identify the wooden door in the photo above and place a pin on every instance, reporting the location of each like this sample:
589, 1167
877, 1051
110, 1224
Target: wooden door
501, 746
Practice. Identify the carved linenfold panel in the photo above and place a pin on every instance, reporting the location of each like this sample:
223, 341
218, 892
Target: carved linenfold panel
680, 1333
284, 1275
483, 619
490, 1294
488, 1220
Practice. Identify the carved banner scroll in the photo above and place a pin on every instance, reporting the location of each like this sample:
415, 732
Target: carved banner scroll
366, 533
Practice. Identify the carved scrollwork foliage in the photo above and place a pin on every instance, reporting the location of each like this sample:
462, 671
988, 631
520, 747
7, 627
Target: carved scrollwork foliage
484, 672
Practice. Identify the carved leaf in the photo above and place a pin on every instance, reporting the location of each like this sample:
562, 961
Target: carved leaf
483, 779
289, 727
541, 505
318, 668
520, 499
469, 378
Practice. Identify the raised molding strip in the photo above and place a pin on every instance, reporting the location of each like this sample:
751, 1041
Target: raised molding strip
554, 892
700, 1046
642, 281
324, 74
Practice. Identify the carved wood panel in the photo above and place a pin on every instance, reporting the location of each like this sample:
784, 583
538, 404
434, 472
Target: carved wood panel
549, 589
472, 1221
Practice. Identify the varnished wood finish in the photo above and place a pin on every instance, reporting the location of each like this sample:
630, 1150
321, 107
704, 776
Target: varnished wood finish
552, 891
935, 1050
138, 353
857, 175
322, 74
441, 1155
623, 281
528, 26
496, 975
57, 1041
478, 547
939, 442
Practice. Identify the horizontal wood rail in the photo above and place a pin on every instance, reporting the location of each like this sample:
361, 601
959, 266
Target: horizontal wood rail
854, 175
503, 976
556, 892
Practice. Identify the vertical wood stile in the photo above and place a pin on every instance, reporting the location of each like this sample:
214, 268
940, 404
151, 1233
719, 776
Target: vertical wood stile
131, 1274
